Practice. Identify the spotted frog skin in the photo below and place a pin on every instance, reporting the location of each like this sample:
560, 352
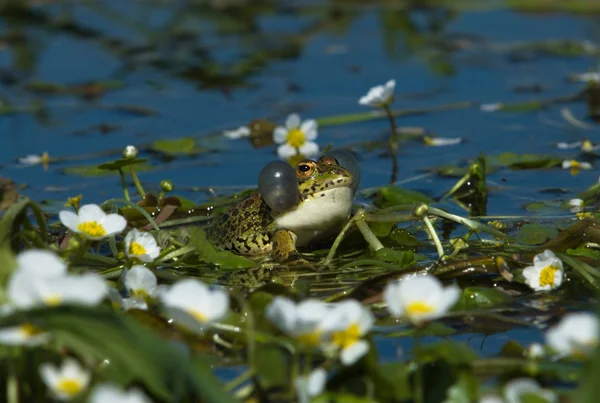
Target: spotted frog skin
252, 228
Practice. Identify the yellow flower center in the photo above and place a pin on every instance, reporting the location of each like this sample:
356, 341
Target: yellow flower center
53, 300
199, 316
428, 141
296, 138
30, 330
136, 249
92, 228
139, 293
310, 339
69, 387
347, 337
587, 146
547, 276
418, 308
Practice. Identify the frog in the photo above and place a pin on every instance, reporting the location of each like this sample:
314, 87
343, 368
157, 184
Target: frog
292, 207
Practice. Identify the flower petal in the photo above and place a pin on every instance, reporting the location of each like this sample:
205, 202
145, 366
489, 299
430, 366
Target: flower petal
309, 128
286, 151
280, 135
114, 224
292, 121
353, 353
90, 212
141, 278
69, 219
309, 149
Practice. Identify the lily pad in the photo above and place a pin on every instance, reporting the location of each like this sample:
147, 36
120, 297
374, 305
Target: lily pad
480, 297
535, 234
389, 196
525, 161
121, 163
180, 146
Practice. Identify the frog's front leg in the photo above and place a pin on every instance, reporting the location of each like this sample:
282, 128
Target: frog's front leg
284, 245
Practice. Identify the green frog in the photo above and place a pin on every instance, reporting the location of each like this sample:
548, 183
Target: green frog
291, 208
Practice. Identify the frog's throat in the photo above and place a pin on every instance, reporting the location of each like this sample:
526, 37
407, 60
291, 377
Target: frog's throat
322, 213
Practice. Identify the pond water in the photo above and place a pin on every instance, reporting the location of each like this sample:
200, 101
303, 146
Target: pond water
165, 70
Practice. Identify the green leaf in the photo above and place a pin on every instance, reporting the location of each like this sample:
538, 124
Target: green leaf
584, 251
404, 258
473, 298
456, 354
133, 351
180, 146
121, 163
403, 237
525, 161
207, 252
535, 234
89, 171
389, 196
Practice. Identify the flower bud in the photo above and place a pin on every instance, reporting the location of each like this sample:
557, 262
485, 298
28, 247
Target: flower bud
166, 185
130, 152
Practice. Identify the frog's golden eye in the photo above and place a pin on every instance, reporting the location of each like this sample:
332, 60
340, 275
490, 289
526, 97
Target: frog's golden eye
305, 169
327, 160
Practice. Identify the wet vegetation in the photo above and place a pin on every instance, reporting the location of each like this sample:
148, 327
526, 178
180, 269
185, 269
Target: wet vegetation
477, 169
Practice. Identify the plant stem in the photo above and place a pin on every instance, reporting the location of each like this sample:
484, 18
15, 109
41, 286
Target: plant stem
237, 381
369, 236
338, 239
434, 236
136, 181
392, 143
418, 389
124, 185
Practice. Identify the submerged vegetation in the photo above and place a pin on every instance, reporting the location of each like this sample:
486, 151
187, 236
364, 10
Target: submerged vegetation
116, 292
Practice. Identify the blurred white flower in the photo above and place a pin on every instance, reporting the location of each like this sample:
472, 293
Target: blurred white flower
535, 351
196, 301
23, 335
576, 205
141, 284
442, 141
107, 393
92, 222
575, 166
30, 159
41, 279
575, 334
517, 391
141, 245
546, 273
380, 95
343, 328
491, 107
300, 321
240, 132
420, 298
296, 137
310, 386
65, 382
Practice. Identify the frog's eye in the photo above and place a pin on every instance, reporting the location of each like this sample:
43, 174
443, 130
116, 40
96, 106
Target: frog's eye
305, 169
278, 186
346, 160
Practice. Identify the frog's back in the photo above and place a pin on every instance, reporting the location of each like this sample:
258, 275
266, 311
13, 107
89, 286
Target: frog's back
246, 227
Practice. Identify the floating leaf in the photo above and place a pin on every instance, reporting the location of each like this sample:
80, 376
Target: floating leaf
180, 146
388, 196
94, 170
473, 298
402, 237
535, 234
121, 163
404, 258
525, 161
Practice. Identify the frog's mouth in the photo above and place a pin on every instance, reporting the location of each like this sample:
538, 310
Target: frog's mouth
321, 189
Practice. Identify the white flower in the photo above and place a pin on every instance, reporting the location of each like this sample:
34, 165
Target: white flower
140, 283
93, 222
575, 166
141, 245
242, 131
301, 320
380, 95
587, 77
344, 325
575, 334
296, 137
576, 205
517, 389
310, 386
491, 107
546, 272
442, 141
67, 381
568, 146
107, 393
196, 300
23, 335
41, 279
535, 351
420, 298
30, 159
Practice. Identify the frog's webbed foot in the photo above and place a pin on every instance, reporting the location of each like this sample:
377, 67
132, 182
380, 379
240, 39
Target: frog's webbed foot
284, 246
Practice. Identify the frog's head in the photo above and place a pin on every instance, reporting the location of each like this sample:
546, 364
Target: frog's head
284, 188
